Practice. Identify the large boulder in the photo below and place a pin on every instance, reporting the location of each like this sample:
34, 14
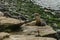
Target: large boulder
32, 29
9, 23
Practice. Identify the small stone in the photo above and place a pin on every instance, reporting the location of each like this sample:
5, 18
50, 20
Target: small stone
1, 14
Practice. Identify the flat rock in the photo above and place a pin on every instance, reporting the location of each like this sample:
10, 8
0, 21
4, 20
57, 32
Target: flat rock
32, 28
9, 24
5, 20
30, 24
22, 37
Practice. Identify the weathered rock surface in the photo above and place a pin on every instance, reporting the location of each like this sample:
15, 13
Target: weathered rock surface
4, 20
9, 23
43, 30
4, 35
32, 29
22, 37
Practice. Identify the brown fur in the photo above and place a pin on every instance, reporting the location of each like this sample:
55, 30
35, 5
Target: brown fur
38, 19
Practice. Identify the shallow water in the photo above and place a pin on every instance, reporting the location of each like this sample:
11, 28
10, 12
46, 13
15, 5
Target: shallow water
52, 4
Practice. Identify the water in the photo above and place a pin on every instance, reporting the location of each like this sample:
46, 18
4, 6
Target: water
52, 4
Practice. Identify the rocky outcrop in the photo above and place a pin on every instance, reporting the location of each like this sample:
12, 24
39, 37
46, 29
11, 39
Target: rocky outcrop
9, 23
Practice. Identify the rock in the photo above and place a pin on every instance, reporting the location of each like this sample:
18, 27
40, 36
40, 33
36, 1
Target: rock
1, 14
22, 37
33, 23
46, 30
38, 27
33, 30
30, 24
4, 35
4, 20
10, 23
